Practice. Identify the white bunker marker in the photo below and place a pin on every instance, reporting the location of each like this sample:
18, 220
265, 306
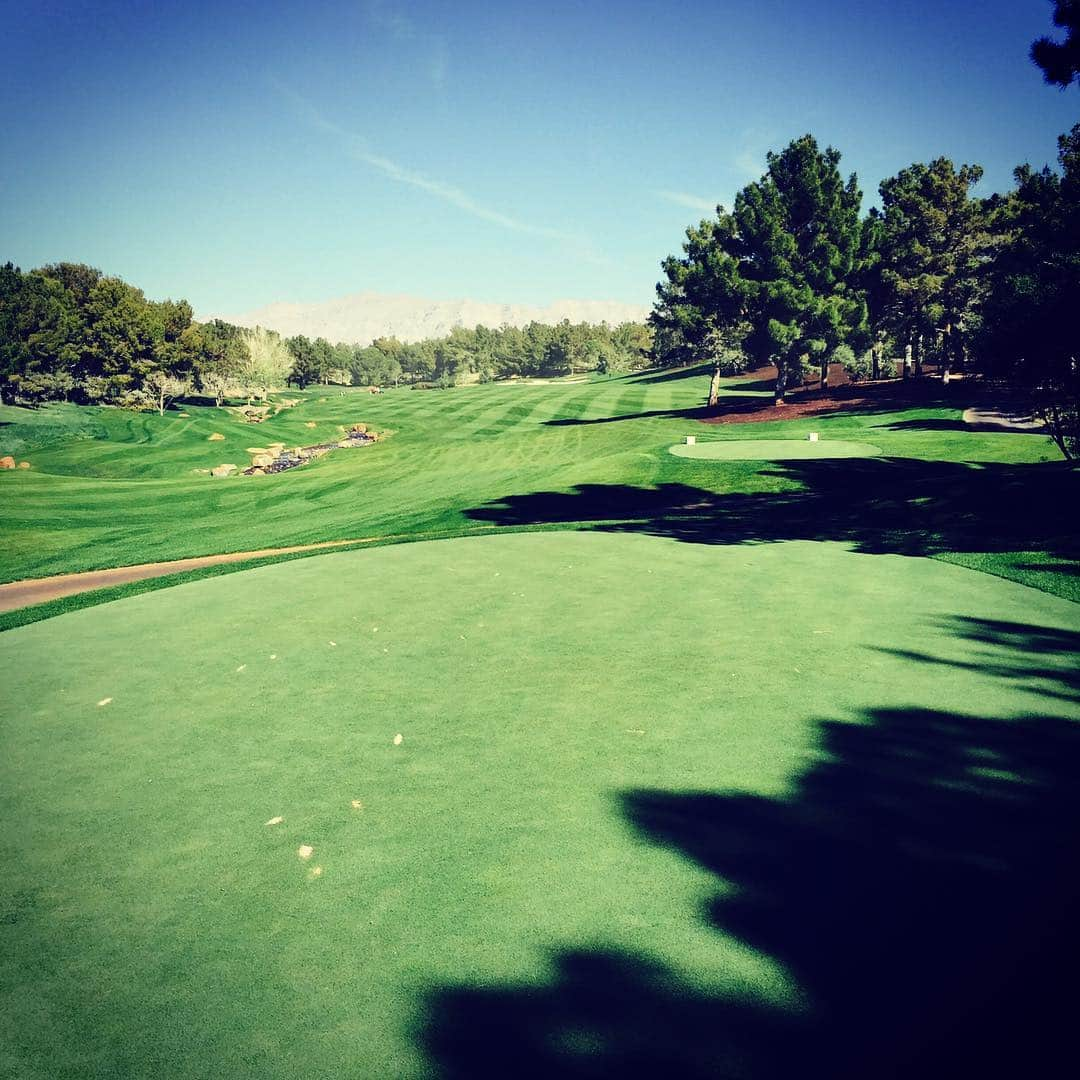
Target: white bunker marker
691, 440
812, 437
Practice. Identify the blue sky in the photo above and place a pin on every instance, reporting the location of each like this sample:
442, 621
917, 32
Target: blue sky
239, 153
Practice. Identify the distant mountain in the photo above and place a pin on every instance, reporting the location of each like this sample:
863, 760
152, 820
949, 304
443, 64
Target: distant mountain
360, 318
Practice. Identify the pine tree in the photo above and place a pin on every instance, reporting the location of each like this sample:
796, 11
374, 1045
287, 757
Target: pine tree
779, 271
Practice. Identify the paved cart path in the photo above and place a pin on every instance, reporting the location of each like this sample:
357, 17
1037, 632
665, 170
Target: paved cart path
19, 594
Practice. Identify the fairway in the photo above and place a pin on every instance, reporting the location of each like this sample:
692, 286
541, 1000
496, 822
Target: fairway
550, 822
773, 450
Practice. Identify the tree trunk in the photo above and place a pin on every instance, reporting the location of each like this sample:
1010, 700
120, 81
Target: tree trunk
907, 361
825, 372
161, 403
875, 362
714, 386
781, 382
918, 356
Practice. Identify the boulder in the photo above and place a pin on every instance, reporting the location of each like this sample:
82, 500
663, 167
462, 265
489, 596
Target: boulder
361, 428
261, 461
24, 464
346, 443
216, 437
7, 462
223, 470
184, 415
257, 450
311, 423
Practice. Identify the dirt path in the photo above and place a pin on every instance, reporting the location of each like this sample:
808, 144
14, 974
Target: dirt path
19, 594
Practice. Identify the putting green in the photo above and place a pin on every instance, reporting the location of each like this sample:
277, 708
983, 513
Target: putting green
155, 921
773, 449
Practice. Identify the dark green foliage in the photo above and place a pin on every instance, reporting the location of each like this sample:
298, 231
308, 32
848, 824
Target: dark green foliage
932, 248
1060, 60
777, 277
1030, 335
68, 330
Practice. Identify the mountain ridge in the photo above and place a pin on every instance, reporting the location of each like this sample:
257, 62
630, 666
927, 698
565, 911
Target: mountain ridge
361, 317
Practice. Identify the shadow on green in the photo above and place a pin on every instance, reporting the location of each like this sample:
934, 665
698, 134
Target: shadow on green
920, 884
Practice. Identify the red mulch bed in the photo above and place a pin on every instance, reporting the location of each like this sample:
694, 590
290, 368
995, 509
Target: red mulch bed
842, 395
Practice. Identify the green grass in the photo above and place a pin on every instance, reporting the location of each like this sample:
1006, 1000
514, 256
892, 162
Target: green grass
634, 777
772, 450
111, 488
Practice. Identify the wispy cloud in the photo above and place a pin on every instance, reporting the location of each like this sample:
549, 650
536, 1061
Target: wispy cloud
431, 54
694, 202
358, 148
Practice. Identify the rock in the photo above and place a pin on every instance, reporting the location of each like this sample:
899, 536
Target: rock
223, 470
359, 427
24, 464
261, 461
184, 415
256, 472
346, 443
7, 462
279, 446
257, 450
216, 437
311, 423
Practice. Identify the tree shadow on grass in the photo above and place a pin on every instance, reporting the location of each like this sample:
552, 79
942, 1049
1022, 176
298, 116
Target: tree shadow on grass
668, 375
699, 413
920, 885
881, 505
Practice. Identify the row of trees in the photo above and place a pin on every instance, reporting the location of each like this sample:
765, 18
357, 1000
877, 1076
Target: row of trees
796, 276
68, 332
538, 349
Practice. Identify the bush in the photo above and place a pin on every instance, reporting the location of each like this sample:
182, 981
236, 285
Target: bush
857, 367
136, 400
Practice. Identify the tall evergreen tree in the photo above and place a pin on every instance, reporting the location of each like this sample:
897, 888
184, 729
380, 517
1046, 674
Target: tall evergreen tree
1029, 334
934, 249
782, 266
